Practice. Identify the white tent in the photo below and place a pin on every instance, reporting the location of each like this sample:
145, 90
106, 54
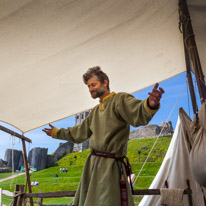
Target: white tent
47, 45
175, 168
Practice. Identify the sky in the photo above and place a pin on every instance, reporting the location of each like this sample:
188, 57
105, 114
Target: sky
176, 95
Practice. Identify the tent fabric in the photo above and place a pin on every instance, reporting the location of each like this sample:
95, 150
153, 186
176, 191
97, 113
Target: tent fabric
46, 47
175, 167
198, 151
171, 197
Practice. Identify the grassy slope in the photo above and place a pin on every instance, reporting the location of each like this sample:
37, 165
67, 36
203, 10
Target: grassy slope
6, 174
70, 180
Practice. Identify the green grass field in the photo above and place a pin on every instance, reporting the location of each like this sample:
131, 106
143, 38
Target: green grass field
70, 180
6, 174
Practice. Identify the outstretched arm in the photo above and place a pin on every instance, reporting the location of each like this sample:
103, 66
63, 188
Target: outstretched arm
76, 134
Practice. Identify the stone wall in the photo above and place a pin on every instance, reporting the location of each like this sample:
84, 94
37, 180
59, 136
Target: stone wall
17, 158
50, 161
79, 118
37, 158
8, 169
64, 148
85, 145
3, 166
3, 163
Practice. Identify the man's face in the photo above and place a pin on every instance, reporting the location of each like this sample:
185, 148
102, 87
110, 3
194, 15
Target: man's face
96, 88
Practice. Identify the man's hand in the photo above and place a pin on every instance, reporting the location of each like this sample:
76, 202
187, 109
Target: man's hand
155, 96
48, 131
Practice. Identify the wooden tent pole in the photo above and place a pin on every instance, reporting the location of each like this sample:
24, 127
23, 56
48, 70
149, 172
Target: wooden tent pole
27, 171
189, 77
190, 45
15, 134
23, 138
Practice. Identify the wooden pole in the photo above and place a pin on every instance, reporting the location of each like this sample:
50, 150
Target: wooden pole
40, 200
0, 197
51, 194
189, 195
20, 198
15, 198
190, 44
153, 192
14, 134
189, 77
23, 138
72, 193
27, 171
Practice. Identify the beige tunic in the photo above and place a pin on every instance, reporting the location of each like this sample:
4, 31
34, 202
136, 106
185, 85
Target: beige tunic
108, 127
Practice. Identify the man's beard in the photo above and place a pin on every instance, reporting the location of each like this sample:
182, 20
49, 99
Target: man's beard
97, 93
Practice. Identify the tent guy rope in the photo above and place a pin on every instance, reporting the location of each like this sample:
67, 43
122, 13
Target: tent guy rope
159, 135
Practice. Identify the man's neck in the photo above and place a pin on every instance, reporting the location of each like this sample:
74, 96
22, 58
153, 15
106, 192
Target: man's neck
107, 92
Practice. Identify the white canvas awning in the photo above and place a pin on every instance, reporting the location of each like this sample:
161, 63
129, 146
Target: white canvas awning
47, 45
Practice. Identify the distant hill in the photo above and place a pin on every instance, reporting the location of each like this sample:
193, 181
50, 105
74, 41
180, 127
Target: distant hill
152, 130
134, 146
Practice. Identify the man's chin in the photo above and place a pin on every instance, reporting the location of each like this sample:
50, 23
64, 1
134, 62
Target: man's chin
94, 96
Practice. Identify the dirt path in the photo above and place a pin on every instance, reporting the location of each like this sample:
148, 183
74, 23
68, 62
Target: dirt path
13, 176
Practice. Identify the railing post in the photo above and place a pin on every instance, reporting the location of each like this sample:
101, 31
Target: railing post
0, 197
15, 192
40, 200
20, 198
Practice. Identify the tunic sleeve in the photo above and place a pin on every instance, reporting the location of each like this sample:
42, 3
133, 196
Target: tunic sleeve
76, 134
133, 111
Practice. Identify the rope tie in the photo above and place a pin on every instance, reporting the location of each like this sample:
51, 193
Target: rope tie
12, 159
159, 135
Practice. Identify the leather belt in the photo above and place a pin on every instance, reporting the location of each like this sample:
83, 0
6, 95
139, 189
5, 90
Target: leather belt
123, 159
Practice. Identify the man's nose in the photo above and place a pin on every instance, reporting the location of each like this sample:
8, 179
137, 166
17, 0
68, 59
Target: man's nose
90, 89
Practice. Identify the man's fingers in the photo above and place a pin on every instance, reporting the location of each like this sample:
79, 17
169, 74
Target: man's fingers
162, 90
156, 94
156, 86
154, 97
51, 126
155, 89
46, 129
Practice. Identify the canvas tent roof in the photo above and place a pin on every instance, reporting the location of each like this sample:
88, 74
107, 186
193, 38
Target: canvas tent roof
46, 46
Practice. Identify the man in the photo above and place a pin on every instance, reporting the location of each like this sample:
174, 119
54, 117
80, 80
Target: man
108, 127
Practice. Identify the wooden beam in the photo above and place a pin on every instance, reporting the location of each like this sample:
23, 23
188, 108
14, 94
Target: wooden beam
51, 194
15, 134
27, 171
72, 193
153, 192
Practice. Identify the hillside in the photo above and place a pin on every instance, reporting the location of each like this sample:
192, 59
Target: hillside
70, 180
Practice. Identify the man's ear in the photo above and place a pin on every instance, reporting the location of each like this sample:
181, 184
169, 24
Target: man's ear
105, 83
